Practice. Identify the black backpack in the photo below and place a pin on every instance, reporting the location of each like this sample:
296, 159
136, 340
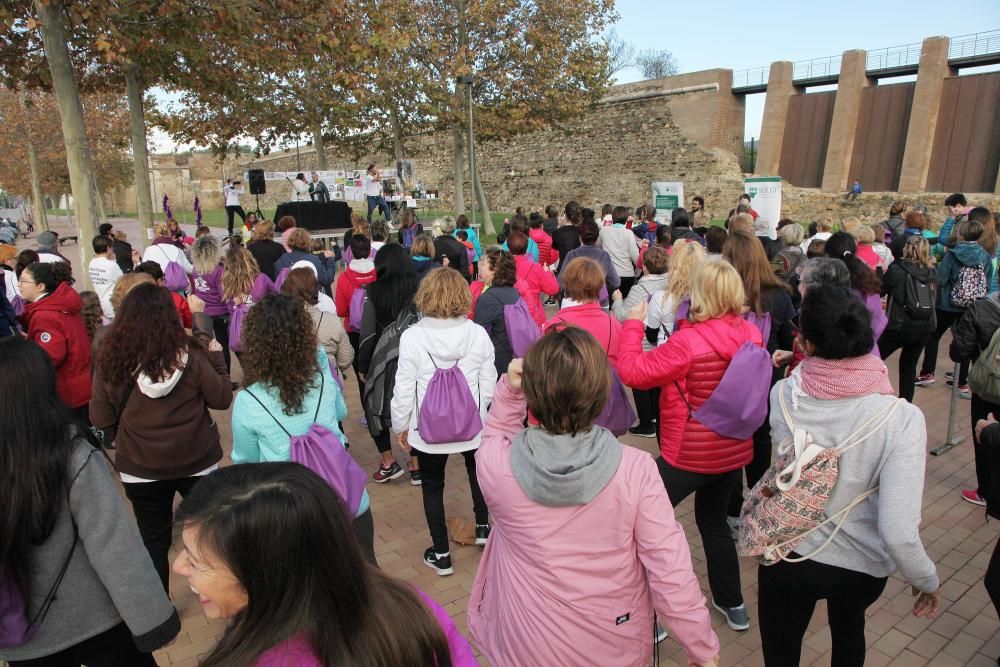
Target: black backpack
918, 303
381, 379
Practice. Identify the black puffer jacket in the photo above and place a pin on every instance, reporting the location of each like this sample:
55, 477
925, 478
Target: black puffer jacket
973, 332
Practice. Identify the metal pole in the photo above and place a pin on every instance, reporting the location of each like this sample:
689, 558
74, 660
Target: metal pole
472, 162
950, 439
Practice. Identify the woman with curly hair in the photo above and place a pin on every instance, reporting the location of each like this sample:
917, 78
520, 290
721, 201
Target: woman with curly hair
91, 312
153, 387
288, 389
243, 285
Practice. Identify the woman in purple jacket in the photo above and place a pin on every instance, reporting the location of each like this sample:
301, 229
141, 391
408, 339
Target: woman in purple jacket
243, 285
330, 608
206, 284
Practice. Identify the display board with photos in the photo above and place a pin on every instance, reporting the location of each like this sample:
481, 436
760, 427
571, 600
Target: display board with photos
344, 184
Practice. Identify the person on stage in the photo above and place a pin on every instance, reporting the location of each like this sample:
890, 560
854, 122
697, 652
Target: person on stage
232, 192
373, 190
300, 189
318, 190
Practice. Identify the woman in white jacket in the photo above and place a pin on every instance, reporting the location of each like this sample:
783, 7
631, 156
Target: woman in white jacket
443, 338
163, 251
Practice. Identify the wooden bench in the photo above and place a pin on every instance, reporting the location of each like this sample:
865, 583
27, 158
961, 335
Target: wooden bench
64, 239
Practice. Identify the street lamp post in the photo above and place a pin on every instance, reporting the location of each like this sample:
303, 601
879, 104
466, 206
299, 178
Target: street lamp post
467, 80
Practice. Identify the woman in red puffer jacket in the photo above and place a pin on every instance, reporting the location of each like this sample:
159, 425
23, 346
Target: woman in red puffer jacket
694, 459
52, 318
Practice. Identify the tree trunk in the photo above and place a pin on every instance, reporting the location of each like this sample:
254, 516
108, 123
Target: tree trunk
37, 199
320, 146
483, 205
140, 154
53, 19
102, 214
458, 163
398, 151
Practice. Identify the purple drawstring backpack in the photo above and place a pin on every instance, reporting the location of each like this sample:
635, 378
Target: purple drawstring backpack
279, 279
522, 331
738, 404
321, 451
448, 412
239, 314
174, 278
618, 415
357, 307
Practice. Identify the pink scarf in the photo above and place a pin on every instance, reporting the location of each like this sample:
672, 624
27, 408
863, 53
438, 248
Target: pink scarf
844, 378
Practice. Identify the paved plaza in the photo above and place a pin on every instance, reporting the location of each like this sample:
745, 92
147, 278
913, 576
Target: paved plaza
956, 534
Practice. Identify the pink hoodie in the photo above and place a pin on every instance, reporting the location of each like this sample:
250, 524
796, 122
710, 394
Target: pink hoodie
577, 585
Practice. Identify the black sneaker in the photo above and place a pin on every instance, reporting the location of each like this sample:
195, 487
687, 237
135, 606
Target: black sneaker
415, 478
384, 474
643, 431
482, 533
440, 564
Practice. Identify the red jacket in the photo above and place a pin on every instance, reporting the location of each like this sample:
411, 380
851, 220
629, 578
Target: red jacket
183, 310
476, 288
532, 280
54, 323
349, 281
590, 317
546, 253
693, 360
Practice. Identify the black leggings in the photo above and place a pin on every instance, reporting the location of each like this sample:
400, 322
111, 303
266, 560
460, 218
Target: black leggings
432, 473
220, 327
911, 345
364, 530
992, 578
711, 498
945, 318
981, 409
787, 595
111, 648
153, 504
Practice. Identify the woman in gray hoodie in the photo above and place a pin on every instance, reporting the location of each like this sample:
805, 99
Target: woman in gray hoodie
841, 392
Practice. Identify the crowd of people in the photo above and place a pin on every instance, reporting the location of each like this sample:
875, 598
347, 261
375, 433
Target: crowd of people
755, 360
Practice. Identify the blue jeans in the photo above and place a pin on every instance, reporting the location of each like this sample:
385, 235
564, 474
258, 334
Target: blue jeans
379, 202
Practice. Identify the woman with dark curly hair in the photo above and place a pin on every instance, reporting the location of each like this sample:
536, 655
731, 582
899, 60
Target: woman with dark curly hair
155, 385
288, 389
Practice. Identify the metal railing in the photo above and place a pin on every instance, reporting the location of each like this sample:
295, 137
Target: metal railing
905, 56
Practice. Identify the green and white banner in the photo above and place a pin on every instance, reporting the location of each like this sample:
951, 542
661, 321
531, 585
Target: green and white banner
667, 195
765, 198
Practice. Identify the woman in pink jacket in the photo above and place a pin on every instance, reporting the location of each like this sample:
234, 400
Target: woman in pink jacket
582, 281
532, 278
541, 599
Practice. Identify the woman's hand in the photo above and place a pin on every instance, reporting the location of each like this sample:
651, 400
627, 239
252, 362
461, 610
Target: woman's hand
214, 346
515, 373
404, 442
926, 604
617, 295
781, 358
982, 424
639, 311
195, 303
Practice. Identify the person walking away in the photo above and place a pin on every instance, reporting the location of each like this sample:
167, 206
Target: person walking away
443, 340
330, 333
546, 254
865, 283
332, 608
422, 256
359, 274
589, 234
153, 388
914, 225
911, 286
206, 283
265, 249
165, 252
287, 389
566, 237
300, 250
243, 286
104, 272
72, 554
389, 295
621, 245
48, 251
446, 246
409, 228
987, 432
533, 279
839, 395
462, 224
895, 225
770, 298
963, 276
567, 476
52, 319
694, 459
498, 271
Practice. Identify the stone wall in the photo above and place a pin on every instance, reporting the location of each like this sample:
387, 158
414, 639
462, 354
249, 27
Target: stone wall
808, 204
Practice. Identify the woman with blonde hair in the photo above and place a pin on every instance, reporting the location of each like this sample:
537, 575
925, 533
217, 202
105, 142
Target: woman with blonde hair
359, 227
300, 250
444, 339
693, 458
206, 281
909, 325
664, 305
243, 285
265, 249
422, 255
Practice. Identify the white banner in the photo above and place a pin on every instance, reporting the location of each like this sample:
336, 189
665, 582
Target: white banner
667, 195
765, 198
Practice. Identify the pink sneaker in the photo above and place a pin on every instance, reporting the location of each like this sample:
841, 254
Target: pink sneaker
972, 496
925, 379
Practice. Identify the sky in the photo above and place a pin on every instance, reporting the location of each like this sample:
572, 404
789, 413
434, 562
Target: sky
739, 35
